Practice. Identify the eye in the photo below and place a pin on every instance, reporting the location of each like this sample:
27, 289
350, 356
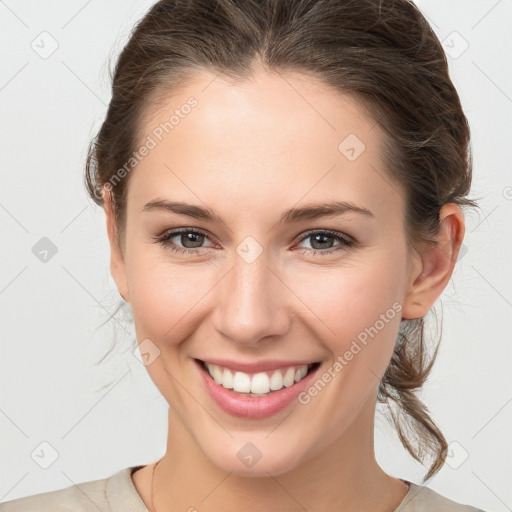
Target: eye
322, 240
191, 238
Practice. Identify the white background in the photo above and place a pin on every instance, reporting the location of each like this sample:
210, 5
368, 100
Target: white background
101, 418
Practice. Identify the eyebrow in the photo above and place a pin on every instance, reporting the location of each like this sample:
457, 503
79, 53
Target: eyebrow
290, 216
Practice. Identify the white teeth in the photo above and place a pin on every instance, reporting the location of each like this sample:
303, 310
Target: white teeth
217, 374
276, 381
259, 383
289, 377
227, 378
242, 382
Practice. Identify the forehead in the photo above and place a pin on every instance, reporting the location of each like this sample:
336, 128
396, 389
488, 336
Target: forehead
291, 103
276, 137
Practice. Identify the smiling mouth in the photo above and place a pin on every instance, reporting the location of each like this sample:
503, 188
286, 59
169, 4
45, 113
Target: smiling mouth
257, 384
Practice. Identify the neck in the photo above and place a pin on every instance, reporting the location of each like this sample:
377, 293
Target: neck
345, 473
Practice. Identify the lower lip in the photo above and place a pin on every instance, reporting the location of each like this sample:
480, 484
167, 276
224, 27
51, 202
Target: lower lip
253, 407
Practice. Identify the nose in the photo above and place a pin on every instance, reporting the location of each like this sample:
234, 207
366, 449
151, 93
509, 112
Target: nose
251, 303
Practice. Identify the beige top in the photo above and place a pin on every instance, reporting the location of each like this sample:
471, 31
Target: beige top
117, 493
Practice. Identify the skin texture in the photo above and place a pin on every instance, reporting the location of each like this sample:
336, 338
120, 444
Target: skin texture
249, 151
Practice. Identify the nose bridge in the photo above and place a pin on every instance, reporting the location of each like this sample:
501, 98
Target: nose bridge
251, 305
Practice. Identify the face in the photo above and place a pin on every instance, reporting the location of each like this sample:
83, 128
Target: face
253, 285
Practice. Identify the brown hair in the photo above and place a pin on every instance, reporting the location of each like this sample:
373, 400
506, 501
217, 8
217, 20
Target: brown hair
382, 53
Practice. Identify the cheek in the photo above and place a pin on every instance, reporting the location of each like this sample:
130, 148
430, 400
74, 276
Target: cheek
338, 302
357, 302
166, 297
351, 295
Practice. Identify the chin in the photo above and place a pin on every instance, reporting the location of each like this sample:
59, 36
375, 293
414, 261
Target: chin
254, 458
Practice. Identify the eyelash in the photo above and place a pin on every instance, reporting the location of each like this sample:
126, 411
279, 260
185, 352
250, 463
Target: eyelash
345, 241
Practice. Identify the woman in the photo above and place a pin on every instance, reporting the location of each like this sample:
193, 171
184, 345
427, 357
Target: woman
283, 183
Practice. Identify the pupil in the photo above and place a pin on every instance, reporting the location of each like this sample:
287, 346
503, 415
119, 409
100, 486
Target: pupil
320, 236
194, 238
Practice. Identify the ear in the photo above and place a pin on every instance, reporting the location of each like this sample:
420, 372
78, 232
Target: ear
436, 263
117, 262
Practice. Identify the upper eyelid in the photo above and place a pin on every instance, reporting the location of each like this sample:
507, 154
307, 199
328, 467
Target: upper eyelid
171, 233
328, 232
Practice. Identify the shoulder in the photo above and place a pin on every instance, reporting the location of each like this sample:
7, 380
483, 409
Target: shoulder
423, 499
104, 494
80, 497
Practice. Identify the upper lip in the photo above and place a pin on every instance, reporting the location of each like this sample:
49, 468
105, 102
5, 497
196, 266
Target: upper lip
255, 367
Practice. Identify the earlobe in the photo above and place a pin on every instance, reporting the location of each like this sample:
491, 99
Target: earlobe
435, 265
117, 261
